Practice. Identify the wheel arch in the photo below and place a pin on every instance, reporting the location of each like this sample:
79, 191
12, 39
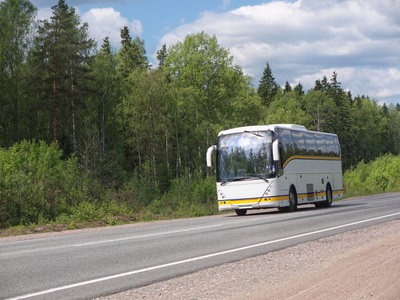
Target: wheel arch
293, 187
328, 185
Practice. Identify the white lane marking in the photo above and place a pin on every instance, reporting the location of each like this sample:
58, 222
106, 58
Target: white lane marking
195, 258
147, 235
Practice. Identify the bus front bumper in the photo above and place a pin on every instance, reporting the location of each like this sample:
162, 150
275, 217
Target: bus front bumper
247, 204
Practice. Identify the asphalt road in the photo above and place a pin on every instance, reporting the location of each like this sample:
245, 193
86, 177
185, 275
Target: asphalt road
88, 265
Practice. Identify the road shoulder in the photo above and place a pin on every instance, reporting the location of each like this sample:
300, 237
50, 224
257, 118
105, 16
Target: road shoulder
363, 263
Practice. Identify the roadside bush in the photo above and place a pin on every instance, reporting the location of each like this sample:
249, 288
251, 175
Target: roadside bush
378, 176
36, 184
191, 197
142, 190
187, 197
37, 187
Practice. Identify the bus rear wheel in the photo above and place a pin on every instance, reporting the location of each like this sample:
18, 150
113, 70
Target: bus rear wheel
328, 201
241, 212
292, 199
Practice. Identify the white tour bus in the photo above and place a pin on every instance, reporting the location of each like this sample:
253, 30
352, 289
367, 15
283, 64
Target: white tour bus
279, 166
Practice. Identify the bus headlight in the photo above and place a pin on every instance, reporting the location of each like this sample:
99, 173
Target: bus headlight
268, 190
221, 194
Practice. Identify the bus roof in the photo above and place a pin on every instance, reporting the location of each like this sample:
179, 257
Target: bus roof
266, 127
262, 128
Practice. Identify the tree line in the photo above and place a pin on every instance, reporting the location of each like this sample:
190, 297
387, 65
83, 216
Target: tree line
123, 119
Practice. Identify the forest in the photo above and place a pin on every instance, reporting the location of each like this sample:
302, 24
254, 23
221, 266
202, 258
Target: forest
94, 132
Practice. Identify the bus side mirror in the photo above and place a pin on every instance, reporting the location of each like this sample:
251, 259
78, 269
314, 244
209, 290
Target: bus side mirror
275, 150
209, 152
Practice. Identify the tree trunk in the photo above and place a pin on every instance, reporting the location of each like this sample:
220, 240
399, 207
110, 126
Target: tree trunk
103, 130
73, 112
3, 124
54, 103
199, 142
178, 153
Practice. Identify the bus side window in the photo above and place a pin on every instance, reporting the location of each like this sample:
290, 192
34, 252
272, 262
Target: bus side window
310, 143
285, 138
320, 143
337, 146
330, 145
298, 142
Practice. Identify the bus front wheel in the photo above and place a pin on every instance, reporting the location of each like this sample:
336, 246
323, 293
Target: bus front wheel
292, 201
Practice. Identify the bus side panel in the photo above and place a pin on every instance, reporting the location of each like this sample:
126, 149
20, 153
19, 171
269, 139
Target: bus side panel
338, 187
310, 176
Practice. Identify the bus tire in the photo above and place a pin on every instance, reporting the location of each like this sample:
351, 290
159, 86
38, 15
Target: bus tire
328, 201
292, 199
241, 212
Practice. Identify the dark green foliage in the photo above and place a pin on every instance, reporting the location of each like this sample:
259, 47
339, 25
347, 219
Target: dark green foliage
143, 191
106, 47
287, 88
60, 70
100, 143
298, 89
188, 197
36, 184
16, 17
162, 56
267, 88
132, 53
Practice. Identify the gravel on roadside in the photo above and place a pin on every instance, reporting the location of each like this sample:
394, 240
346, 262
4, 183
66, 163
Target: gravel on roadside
292, 273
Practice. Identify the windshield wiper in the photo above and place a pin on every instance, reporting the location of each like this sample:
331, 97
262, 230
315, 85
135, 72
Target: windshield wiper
256, 176
232, 179
247, 176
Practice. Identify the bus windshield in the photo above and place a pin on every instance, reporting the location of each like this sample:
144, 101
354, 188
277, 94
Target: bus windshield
245, 155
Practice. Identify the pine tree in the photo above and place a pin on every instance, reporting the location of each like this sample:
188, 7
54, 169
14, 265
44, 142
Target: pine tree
62, 56
298, 89
318, 85
343, 123
16, 18
267, 88
324, 84
132, 53
287, 88
162, 56
106, 46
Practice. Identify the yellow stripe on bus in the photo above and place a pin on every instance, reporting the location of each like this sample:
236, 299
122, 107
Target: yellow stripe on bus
253, 200
310, 157
337, 192
273, 198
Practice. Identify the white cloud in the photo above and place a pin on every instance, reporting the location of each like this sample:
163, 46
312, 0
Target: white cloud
50, 3
302, 40
376, 83
225, 4
108, 22
44, 13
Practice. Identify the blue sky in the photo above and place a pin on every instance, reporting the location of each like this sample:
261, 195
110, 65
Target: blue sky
301, 40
